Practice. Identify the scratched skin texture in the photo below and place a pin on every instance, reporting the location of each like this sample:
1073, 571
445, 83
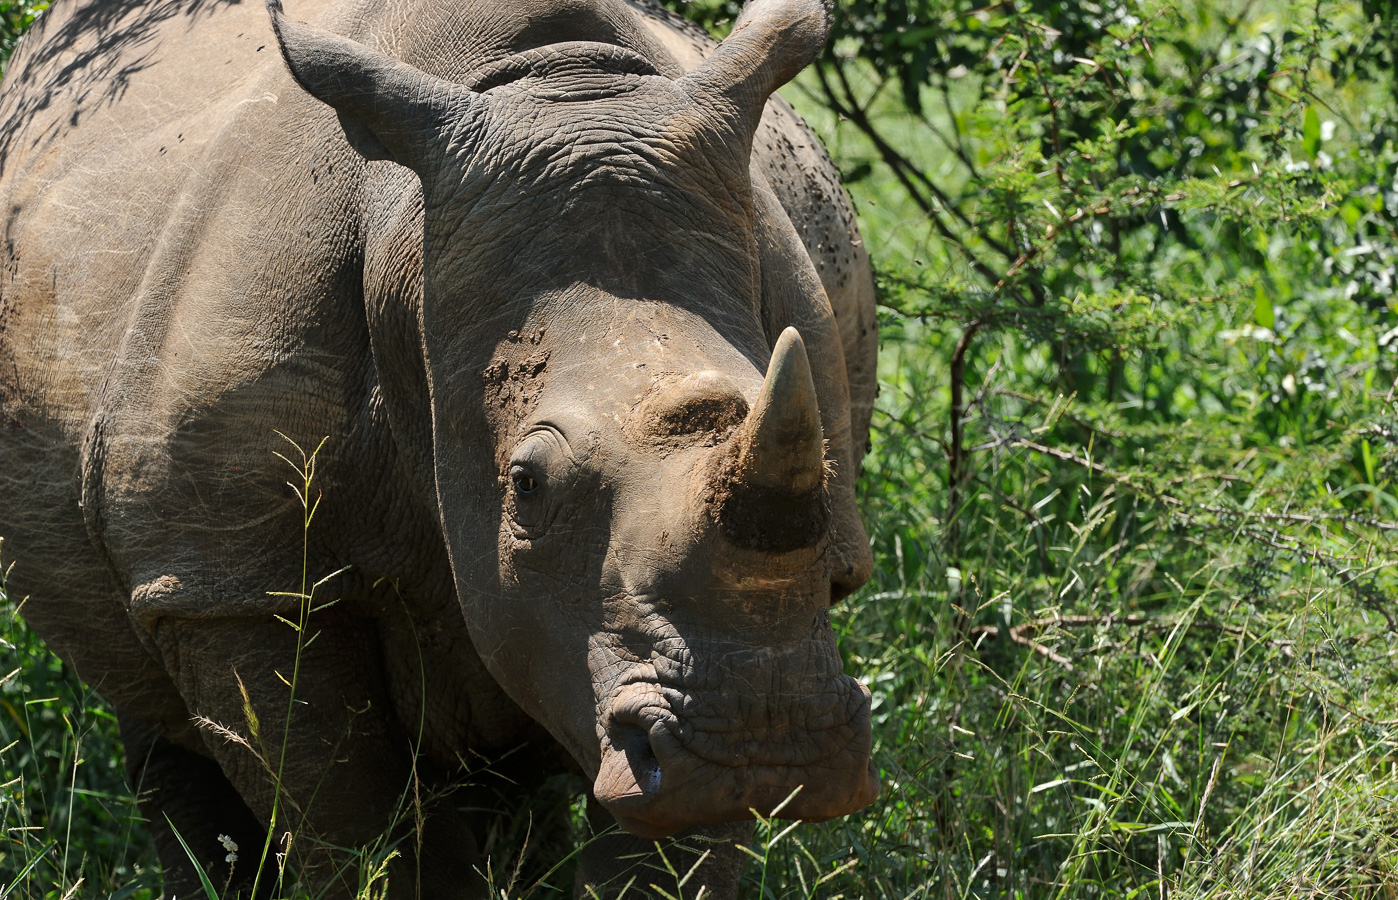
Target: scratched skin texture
581, 308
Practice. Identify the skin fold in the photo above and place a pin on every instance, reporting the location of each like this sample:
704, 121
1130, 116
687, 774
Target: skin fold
573, 307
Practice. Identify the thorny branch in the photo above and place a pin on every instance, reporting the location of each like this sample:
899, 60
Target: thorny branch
1021, 634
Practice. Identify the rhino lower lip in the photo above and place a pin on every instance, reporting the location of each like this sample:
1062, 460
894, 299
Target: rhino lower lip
654, 815
644, 828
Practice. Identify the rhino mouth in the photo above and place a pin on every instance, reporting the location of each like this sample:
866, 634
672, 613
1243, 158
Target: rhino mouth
670, 761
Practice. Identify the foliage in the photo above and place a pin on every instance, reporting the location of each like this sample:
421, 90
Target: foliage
69, 821
1132, 485
15, 18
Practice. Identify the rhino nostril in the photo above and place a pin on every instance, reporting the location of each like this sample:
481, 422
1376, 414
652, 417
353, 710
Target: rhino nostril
634, 742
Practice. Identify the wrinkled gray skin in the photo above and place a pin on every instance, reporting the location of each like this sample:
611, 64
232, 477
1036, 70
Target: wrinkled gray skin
589, 514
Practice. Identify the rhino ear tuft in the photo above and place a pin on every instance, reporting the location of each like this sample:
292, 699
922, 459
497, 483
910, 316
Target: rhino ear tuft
388, 109
771, 42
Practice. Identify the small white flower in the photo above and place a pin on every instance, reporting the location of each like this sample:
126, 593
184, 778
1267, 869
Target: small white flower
231, 846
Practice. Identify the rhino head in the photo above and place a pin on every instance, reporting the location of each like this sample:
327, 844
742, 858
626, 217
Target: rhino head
641, 491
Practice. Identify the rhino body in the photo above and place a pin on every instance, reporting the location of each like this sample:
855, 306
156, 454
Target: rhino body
526, 276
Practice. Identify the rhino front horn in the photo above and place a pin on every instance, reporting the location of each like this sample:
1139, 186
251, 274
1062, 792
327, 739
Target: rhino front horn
784, 448
769, 490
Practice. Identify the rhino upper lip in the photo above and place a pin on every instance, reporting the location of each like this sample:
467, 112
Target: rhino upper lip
639, 712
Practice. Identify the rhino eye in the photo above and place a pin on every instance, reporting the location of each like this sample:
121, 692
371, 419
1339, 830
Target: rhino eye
525, 483
527, 504
540, 472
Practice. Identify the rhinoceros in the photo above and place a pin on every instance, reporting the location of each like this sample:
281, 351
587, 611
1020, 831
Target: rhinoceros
575, 310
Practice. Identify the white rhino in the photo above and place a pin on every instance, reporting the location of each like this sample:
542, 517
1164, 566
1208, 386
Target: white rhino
581, 308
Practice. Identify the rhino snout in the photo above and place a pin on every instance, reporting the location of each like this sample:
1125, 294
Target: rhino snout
659, 776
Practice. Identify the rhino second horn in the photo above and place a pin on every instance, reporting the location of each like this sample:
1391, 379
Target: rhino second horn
783, 445
768, 490
771, 41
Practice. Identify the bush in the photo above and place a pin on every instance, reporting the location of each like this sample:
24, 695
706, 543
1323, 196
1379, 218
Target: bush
15, 18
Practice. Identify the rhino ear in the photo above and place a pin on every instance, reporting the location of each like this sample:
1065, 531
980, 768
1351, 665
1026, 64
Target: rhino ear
389, 109
771, 42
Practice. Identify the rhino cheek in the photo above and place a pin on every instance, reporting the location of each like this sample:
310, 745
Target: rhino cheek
532, 619
538, 665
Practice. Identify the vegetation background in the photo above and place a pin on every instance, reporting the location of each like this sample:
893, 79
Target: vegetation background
1132, 487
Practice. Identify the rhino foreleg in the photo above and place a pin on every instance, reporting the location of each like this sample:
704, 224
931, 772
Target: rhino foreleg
326, 760
185, 797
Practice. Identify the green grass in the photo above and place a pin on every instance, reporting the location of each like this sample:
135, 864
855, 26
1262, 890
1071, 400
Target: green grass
70, 823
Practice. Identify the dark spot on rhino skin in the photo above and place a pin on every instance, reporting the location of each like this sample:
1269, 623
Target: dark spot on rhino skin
757, 518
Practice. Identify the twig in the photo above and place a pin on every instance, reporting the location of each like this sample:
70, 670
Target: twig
1068, 457
1382, 723
957, 454
1020, 634
1299, 519
1076, 420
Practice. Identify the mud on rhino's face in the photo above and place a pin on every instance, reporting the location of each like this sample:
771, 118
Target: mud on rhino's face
608, 425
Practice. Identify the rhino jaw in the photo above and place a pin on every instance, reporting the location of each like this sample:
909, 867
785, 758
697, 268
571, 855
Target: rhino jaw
656, 781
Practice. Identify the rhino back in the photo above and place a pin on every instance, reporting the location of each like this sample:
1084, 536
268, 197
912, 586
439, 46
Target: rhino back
184, 285
155, 209
144, 130
138, 309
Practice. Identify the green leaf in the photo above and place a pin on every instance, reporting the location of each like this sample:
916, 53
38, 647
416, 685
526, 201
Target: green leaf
209, 890
1310, 133
1262, 311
